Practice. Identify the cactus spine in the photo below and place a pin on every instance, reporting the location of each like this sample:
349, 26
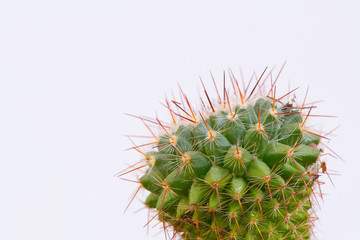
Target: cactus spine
240, 169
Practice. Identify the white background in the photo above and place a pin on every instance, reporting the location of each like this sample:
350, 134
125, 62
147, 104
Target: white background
70, 69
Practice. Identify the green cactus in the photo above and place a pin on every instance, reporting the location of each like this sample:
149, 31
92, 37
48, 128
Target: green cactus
239, 169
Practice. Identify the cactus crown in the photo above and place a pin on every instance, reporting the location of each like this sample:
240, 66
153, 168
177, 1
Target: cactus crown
245, 169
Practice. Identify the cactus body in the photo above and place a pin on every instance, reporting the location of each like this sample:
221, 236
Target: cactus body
244, 169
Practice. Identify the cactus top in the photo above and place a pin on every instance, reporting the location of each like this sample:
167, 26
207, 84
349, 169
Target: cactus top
243, 170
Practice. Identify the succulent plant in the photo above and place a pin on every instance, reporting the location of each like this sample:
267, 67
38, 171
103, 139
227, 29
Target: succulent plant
245, 166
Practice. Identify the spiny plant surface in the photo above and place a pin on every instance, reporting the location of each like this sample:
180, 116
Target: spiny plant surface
244, 167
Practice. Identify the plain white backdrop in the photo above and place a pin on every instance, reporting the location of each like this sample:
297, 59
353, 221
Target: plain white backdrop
69, 70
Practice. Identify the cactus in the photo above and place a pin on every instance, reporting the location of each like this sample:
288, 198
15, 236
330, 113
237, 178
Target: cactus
244, 167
